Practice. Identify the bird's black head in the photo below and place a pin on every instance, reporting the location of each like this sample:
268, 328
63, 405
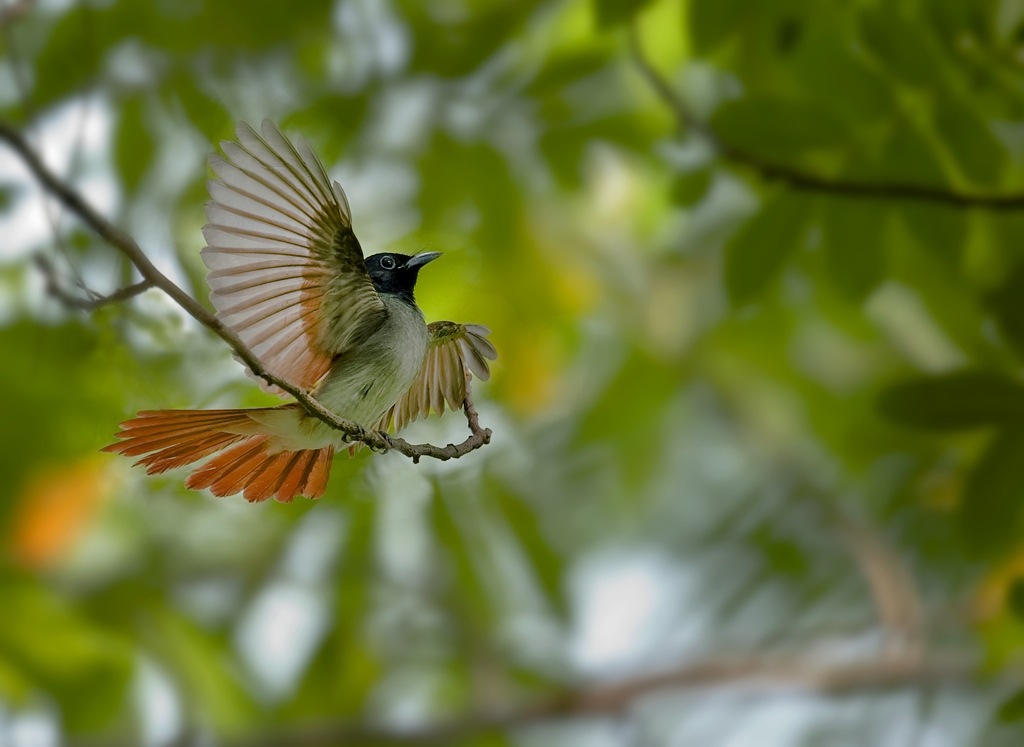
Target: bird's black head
396, 274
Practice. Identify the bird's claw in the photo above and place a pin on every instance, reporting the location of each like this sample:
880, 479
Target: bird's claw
387, 440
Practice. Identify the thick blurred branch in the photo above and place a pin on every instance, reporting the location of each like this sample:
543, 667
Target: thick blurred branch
128, 246
802, 180
765, 673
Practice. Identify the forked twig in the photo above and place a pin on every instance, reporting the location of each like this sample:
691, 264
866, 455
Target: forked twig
73, 301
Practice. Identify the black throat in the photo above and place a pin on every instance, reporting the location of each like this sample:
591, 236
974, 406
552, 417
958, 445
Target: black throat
396, 290
391, 277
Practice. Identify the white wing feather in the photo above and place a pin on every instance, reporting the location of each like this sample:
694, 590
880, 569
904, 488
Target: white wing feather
285, 270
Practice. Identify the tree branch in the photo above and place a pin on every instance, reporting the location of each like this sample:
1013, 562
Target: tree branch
760, 672
765, 673
803, 180
127, 246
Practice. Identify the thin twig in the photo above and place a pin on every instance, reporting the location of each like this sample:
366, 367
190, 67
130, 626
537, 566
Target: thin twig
480, 436
802, 180
128, 246
95, 300
91, 304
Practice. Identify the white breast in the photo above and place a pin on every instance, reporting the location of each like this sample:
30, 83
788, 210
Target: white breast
364, 384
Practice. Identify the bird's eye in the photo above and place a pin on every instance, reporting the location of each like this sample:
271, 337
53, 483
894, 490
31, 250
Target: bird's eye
387, 263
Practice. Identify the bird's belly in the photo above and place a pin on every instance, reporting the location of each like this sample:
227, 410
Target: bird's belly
366, 382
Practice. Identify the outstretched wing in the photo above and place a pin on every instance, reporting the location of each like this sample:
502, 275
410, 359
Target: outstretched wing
454, 349
286, 271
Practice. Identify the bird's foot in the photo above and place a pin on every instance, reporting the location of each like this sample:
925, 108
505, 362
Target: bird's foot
387, 440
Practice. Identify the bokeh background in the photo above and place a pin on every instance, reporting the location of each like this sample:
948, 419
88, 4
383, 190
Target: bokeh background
757, 475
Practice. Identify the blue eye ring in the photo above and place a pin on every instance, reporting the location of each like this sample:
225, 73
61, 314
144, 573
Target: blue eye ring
388, 263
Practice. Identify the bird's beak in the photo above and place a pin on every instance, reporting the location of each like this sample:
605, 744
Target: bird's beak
419, 260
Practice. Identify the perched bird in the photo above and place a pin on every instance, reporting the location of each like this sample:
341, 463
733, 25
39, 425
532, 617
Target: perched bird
287, 274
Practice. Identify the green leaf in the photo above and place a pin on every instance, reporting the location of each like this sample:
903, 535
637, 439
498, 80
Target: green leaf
835, 77
204, 668
205, 112
341, 677
455, 175
610, 13
712, 22
1015, 598
329, 124
564, 146
756, 254
1007, 226
79, 409
15, 686
547, 563
1012, 709
908, 158
963, 399
458, 46
647, 383
690, 187
562, 70
940, 229
45, 641
264, 23
6, 196
777, 128
781, 553
1005, 304
468, 592
69, 60
971, 142
852, 240
788, 32
991, 512
134, 142
901, 46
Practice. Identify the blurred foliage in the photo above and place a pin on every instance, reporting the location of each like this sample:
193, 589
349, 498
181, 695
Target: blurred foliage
700, 366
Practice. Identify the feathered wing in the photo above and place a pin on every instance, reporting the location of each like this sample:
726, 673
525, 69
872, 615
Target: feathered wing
454, 350
286, 271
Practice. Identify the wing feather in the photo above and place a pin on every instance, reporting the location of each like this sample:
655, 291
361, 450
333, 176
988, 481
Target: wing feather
274, 152
253, 197
454, 350
286, 271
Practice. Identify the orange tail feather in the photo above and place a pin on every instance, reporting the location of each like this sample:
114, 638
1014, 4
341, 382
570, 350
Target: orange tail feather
175, 438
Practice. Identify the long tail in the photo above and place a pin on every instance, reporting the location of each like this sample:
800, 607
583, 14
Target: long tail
247, 462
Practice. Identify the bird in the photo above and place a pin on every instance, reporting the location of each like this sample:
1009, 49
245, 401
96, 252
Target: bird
288, 276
